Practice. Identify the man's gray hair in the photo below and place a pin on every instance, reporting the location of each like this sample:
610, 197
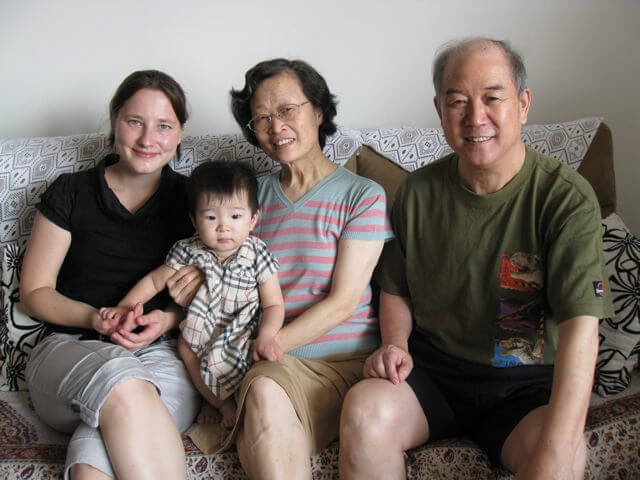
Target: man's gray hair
515, 59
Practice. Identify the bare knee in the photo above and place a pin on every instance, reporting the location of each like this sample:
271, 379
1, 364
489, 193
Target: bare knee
262, 393
521, 442
268, 411
369, 419
363, 413
520, 445
82, 471
270, 427
127, 398
378, 416
263, 398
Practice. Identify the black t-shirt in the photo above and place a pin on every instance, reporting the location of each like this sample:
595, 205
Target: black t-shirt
111, 249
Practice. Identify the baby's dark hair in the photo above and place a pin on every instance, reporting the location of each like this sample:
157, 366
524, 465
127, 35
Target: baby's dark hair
222, 178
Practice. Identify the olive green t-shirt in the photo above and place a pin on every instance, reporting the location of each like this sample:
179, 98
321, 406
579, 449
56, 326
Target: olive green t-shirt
489, 277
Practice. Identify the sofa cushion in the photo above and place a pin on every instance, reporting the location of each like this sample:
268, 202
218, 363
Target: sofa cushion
619, 335
597, 167
584, 144
371, 164
19, 331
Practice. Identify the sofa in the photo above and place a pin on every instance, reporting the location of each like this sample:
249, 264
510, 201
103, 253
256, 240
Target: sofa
31, 450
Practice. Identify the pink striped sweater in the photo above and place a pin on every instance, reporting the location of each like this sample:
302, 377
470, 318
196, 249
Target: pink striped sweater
304, 236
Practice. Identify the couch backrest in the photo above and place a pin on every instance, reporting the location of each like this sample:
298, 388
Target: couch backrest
595, 163
29, 165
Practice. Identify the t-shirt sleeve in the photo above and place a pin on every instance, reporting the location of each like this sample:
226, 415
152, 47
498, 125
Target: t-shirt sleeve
368, 219
391, 276
266, 263
577, 283
179, 255
57, 202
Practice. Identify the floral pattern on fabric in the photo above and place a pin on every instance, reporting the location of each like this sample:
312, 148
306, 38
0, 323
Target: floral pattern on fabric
619, 335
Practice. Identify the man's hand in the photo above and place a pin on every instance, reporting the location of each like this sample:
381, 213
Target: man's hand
266, 347
149, 326
390, 362
183, 285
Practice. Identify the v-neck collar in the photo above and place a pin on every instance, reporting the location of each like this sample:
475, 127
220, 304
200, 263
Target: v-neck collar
313, 191
110, 199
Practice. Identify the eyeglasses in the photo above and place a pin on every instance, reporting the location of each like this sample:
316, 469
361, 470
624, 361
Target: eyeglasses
285, 113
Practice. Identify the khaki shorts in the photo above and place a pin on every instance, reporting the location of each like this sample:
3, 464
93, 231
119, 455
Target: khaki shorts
316, 389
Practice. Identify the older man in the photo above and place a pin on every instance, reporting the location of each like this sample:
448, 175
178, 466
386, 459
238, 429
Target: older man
491, 292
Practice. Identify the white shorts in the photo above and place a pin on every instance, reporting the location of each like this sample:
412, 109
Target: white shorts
69, 380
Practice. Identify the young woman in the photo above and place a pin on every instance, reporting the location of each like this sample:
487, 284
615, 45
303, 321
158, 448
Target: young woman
120, 388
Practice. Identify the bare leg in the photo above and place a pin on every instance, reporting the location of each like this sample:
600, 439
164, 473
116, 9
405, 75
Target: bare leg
519, 446
223, 412
272, 444
228, 410
379, 422
141, 437
82, 471
226, 407
208, 414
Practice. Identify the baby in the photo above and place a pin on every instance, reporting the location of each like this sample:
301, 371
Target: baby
216, 343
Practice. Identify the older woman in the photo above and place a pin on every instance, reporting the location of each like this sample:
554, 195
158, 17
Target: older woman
123, 392
327, 227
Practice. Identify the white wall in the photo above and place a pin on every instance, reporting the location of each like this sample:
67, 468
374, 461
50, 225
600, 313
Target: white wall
61, 60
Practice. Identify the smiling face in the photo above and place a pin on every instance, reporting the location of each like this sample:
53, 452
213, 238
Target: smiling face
147, 132
480, 109
291, 140
224, 223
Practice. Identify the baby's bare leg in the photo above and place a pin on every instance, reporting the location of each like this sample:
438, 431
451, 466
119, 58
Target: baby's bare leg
226, 408
208, 414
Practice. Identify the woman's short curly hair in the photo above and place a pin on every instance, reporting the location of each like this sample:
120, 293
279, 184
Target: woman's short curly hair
313, 86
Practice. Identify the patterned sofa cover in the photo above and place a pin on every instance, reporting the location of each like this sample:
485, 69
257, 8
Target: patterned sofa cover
31, 450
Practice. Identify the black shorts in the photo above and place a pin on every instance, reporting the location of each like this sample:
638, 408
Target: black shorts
485, 403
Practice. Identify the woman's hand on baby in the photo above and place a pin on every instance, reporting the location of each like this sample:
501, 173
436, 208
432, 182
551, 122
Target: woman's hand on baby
147, 328
109, 319
265, 347
183, 285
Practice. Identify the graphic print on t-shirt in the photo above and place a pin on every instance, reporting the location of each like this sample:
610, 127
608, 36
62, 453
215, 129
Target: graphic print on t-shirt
520, 325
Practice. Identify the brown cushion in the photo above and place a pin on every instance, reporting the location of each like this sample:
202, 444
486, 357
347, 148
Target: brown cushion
597, 167
369, 163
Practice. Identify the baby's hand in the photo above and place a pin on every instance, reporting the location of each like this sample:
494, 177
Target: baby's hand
113, 314
265, 347
104, 324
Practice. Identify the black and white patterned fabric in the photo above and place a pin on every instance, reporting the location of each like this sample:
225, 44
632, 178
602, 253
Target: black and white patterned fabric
412, 148
18, 332
29, 165
620, 335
